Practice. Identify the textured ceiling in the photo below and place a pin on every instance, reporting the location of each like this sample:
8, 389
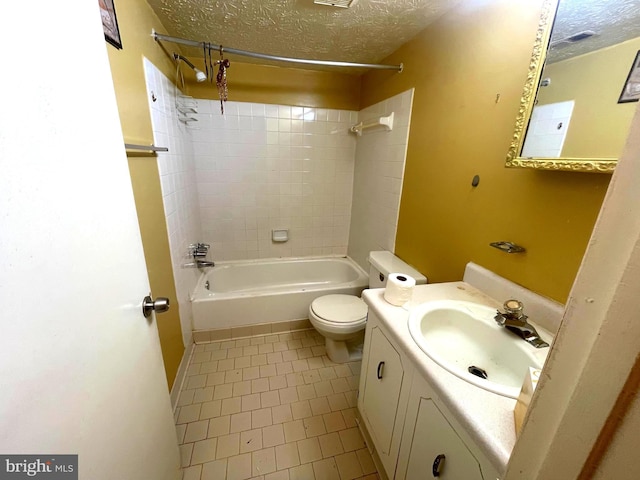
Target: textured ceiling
365, 33
613, 20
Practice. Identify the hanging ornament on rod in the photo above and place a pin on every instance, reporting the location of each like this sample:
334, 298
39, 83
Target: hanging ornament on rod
221, 79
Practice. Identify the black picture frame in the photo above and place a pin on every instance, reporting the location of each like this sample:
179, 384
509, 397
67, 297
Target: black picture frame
110, 23
631, 89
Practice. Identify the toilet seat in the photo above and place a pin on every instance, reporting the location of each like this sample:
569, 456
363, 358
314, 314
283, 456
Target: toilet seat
340, 310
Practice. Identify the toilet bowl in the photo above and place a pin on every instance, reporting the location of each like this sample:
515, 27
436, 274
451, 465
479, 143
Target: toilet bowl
341, 319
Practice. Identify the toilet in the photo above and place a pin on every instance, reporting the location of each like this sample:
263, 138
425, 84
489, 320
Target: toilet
341, 319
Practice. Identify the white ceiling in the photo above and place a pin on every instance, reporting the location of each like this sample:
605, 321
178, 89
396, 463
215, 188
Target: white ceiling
365, 33
613, 20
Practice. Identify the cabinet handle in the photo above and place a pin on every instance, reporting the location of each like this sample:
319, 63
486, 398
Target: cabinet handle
380, 370
437, 465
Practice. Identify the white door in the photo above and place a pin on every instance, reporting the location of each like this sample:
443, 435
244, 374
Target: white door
80, 367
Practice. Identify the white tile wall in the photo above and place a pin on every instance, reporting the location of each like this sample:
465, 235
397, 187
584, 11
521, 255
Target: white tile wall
261, 167
178, 182
379, 170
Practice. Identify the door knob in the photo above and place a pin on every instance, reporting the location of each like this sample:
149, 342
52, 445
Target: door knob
159, 305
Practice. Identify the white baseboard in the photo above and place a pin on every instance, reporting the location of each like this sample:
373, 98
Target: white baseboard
181, 375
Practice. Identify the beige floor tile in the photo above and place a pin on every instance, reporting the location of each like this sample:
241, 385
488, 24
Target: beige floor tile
287, 395
268, 371
294, 344
226, 364
192, 473
295, 379
223, 391
219, 426
301, 409
323, 388
250, 402
186, 398
366, 462
287, 456
337, 402
340, 385
196, 431
180, 431
214, 379
353, 382
209, 367
304, 352
199, 357
270, 399
355, 367
280, 346
215, 470
228, 446
272, 435
289, 355
219, 355
351, 439
302, 472
334, 422
330, 445
257, 360
243, 342
263, 461
260, 385
281, 475
343, 371
315, 363
300, 365
250, 373
239, 467
230, 406
306, 392
311, 376
277, 382
189, 413
227, 344
210, 347
275, 357
261, 418
204, 451
242, 388
319, 406
352, 398
373, 476
240, 422
257, 341
349, 416
234, 352
194, 369
271, 338
242, 362
265, 348
251, 440
203, 395
231, 376
326, 470
250, 350
314, 426
348, 466
308, 342
284, 368
294, 431
309, 450
281, 414
185, 454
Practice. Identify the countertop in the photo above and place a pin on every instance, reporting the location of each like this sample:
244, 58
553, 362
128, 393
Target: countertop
486, 416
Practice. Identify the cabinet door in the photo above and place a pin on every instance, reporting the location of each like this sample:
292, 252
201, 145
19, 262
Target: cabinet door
433, 439
382, 391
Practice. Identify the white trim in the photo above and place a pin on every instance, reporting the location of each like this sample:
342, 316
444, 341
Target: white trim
181, 376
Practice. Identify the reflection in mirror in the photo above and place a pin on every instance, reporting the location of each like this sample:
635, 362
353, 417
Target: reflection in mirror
575, 115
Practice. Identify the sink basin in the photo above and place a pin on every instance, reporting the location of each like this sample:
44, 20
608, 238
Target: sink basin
458, 335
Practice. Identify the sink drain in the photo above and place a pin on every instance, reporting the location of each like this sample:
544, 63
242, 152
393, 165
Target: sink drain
477, 371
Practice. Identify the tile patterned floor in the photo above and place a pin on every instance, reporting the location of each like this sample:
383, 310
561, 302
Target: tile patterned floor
270, 407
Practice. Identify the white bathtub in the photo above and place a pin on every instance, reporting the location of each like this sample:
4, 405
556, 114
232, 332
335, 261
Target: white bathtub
251, 292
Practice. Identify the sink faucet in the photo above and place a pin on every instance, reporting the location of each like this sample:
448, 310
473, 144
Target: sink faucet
515, 320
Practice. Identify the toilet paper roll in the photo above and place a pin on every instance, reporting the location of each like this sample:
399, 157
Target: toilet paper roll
399, 289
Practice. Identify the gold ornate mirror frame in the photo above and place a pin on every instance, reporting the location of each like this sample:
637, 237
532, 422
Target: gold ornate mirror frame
527, 102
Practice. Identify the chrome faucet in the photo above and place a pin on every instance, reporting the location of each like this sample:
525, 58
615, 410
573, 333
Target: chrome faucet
198, 251
514, 320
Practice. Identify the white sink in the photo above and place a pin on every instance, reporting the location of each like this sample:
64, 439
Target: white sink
458, 335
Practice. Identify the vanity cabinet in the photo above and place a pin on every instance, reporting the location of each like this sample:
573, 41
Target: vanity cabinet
384, 390
414, 435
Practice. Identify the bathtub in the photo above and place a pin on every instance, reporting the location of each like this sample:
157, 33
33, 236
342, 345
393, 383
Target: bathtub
251, 292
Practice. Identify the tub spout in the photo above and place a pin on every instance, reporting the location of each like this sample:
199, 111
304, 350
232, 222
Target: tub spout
199, 264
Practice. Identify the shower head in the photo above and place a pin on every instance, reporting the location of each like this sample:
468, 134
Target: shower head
200, 75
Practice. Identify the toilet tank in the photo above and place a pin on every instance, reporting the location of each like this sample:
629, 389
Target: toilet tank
382, 263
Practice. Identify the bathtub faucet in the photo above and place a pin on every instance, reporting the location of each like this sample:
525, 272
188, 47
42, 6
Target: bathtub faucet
199, 264
198, 250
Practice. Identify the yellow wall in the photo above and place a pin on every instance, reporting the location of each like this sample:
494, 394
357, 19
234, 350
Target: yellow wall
458, 66
136, 19
248, 82
599, 124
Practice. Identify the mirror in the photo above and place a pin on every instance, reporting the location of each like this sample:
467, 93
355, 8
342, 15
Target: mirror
582, 87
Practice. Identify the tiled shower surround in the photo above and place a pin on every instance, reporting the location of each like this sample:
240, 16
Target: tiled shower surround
229, 180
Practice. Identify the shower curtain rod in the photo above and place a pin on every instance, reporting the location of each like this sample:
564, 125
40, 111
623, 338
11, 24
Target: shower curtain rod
158, 37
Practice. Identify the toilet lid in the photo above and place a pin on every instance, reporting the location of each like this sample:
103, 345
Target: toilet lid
340, 308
